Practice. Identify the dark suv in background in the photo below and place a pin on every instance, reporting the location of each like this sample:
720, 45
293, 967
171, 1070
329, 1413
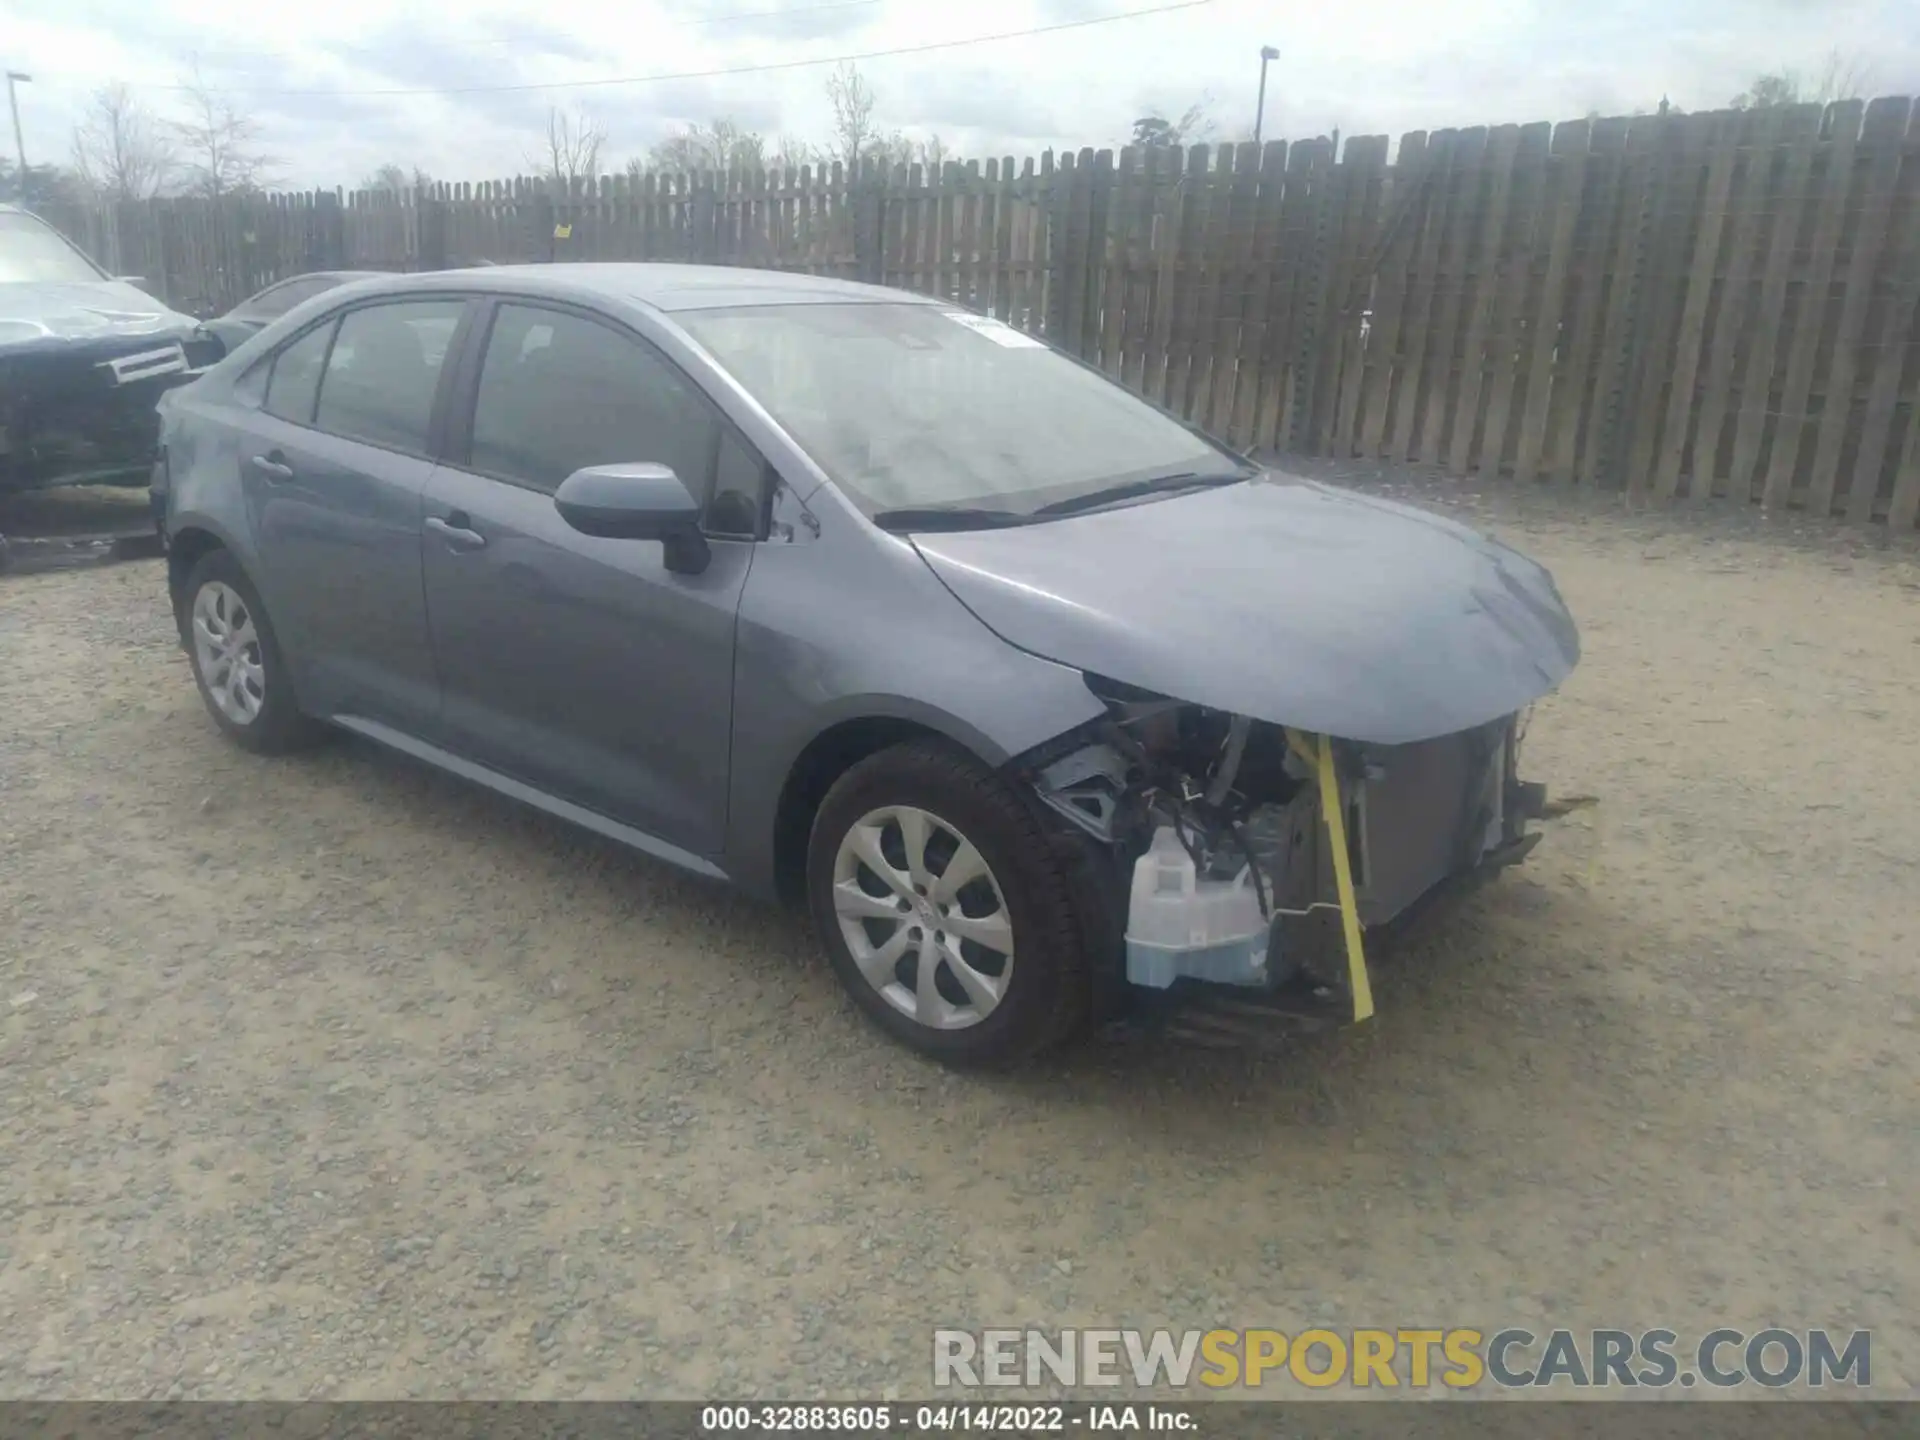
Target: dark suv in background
83, 359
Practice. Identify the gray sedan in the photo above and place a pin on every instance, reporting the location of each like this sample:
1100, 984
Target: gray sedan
1043, 703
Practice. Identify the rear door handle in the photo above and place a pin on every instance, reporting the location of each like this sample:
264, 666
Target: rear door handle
456, 532
271, 468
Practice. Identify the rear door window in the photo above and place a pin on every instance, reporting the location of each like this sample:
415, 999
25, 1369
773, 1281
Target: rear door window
384, 371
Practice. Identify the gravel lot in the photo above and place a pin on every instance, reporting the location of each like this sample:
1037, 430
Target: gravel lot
331, 1077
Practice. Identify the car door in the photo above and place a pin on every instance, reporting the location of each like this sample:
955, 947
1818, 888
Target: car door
583, 665
333, 465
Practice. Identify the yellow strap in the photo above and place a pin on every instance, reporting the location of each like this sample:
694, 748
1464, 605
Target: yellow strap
1333, 815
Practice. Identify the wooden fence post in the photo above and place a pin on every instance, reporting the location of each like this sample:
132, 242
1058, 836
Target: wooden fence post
1881, 136
703, 240
157, 218
1309, 316
432, 214
543, 221
1663, 295
1093, 257
1640, 184
867, 189
1060, 271
1366, 164
1078, 255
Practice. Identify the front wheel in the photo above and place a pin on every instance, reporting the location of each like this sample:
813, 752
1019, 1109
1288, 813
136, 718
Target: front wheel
945, 911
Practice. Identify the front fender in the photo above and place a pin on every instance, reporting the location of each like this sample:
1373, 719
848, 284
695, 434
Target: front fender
855, 626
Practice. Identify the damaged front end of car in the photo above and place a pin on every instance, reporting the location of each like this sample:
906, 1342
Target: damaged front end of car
84, 358
83, 414
1254, 860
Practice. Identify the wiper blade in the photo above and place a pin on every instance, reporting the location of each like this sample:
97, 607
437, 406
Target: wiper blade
1134, 489
945, 517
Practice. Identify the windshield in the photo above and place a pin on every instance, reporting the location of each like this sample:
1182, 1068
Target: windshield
910, 406
33, 253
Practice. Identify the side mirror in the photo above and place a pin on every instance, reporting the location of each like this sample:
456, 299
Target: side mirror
636, 502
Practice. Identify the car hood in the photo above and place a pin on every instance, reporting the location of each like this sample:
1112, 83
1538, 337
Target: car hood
33, 315
1279, 599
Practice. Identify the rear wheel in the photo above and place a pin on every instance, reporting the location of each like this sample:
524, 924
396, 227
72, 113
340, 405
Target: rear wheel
945, 911
237, 661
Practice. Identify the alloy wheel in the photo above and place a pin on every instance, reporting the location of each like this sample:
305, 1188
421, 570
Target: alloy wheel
923, 917
226, 651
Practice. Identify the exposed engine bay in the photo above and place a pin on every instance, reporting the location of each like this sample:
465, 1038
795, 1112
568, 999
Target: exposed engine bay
1220, 821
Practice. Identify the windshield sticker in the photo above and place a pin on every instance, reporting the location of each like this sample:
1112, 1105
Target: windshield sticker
994, 330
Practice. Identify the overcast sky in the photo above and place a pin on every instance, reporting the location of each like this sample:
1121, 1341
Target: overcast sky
1364, 66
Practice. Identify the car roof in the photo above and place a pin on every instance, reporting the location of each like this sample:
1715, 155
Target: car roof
662, 286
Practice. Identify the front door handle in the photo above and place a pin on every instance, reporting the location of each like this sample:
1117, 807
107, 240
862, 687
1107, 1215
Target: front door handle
454, 530
272, 468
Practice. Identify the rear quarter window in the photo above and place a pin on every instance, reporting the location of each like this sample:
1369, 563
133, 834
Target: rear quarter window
294, 382
383, 372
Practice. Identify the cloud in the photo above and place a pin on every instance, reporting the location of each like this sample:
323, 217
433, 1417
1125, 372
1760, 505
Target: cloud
967, 96
758, 21
1372, 66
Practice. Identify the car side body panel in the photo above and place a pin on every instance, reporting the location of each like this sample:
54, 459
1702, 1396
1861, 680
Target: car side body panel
582, 665
198, 484
341, 536
850, 625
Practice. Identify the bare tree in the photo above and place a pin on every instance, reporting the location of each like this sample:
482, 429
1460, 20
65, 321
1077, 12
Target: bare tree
119, 152
219, 144
1841, 77
896, 147
573, 147
722, 145
857, 136
893, 148
790, 153
396, 178
852, 98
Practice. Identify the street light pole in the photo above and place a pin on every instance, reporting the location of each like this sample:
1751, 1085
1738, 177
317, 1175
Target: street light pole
1267, 52
14, 77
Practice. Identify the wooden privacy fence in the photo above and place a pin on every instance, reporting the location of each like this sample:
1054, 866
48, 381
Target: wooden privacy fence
1714, 304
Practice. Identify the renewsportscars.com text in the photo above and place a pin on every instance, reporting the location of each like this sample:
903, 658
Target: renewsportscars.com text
1413, 1359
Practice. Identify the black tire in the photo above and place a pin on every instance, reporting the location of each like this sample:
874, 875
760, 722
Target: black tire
278, 727
1048, 993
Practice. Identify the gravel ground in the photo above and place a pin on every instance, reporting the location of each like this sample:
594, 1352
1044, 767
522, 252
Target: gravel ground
332, 1077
